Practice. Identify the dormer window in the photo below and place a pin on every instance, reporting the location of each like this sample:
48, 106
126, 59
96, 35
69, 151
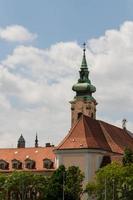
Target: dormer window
16, 164
29, 164
4, 165
47, 163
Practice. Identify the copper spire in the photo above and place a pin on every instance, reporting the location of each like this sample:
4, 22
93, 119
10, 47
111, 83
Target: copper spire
84, 62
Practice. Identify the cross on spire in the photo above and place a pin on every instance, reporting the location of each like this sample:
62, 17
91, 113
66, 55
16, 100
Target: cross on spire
124, 122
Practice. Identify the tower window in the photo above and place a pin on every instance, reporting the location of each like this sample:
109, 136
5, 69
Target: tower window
88, 107
79, 115
72, 108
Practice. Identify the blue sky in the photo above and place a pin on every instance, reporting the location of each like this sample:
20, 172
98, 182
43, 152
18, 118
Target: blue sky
40, 55
65, 20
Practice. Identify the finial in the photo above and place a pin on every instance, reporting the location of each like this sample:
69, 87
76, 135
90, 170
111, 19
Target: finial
124, 121
84, 46
84, 63
36, 140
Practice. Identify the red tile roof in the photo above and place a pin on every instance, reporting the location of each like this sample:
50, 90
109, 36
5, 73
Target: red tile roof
117, 138
21, 154
89, 133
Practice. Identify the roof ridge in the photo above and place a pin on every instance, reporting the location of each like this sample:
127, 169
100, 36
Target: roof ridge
110, 124
97, 124
84, 126
107, 136
87, 127
127, 132
16, 148
69, 133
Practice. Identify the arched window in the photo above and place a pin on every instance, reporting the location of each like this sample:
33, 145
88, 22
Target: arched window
79, 114
47, 163
4, 165
16, 164
30, 164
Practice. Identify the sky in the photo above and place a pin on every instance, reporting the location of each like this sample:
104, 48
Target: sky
40, 56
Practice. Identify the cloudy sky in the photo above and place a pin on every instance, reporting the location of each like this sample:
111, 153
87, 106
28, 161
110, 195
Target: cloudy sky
40, 55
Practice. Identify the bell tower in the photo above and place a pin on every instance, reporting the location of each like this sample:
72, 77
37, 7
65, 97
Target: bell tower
83, 102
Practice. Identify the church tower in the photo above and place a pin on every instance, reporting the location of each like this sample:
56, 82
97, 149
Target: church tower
83, 102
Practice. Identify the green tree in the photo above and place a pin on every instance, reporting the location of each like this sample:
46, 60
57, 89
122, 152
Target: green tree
128, 157
64, 182
126, 189
2, 187
54, 187
24, 186
18, 185
39, 185
114, 181
30, 186
73, 183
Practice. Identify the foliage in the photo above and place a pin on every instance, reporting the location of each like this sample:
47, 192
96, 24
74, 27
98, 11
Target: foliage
73, 183
114, 181
65, 182
30, 186
24, 186
2, 188
93, 189
54, 189
128, 157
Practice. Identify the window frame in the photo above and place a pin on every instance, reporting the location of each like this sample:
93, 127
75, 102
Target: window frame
49, 164
30, 164
5, 164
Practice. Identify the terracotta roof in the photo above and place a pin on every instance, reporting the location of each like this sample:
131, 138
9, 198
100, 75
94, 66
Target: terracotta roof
21, 154
89, 133
117, 138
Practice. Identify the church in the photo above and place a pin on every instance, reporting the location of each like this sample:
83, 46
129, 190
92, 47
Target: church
90, 143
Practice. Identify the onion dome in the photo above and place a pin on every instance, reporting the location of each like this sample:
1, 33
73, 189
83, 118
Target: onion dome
83, 87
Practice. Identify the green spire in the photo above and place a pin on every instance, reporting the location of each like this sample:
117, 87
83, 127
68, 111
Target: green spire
84, 63
84, 73
83, 87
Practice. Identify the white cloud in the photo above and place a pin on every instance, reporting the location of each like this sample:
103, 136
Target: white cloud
16, 33
35, 85
113, 61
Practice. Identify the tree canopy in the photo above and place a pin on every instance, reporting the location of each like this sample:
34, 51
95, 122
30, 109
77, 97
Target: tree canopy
29, 186
114, 181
